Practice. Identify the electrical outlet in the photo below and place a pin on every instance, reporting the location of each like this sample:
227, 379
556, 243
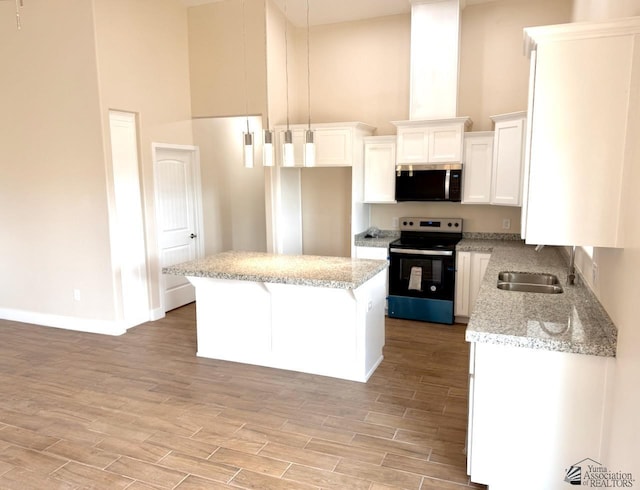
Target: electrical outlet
76, 295
506, 224
395, 223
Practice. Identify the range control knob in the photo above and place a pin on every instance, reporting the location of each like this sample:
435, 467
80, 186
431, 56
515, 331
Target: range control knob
410, 223
449, 224
404, 223
433, 288
457, 225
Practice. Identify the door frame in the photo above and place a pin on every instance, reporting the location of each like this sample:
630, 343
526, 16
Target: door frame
194, 152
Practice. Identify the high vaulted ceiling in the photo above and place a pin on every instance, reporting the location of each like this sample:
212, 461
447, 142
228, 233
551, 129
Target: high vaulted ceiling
334, 11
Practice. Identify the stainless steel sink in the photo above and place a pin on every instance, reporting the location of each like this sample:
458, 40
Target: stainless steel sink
529, 282
528, 278
530, 288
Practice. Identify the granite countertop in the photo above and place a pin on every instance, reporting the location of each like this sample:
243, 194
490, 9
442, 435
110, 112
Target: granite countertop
302, 270
573, 321
384, 238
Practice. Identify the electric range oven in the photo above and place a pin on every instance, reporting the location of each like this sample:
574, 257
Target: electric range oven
422, 269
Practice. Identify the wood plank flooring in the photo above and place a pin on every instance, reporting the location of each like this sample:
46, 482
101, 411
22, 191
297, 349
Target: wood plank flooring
142, 411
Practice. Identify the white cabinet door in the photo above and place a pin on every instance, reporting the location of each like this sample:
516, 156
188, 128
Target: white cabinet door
508, 159
430, 141
375, 253
463, 274
379, 169
478, 162
479, 263
582, 141
445, 143
523, 399
333, 147
470, 270
413, 145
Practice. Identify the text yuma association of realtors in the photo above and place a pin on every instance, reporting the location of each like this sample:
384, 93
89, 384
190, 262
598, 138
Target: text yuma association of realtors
600, 477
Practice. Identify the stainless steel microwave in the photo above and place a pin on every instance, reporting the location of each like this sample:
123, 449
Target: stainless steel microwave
430, 182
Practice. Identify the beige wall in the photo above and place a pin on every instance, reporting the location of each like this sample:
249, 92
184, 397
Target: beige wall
232, 195
53, 205
476, 218
494, 73
584, 10
216, 58
326, 211
359, 72
618, 288
72, 62
143, 66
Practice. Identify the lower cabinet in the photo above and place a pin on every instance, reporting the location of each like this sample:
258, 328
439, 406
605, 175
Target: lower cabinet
532, 414
470, 270
375, 253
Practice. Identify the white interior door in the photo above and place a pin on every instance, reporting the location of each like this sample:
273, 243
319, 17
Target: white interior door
178, 204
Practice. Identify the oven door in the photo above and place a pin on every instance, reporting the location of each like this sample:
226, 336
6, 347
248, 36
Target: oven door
421, 284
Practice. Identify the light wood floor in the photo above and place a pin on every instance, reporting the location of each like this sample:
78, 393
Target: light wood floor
142, 411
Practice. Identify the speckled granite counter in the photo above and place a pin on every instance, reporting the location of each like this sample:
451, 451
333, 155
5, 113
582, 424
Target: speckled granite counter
301, 270
381, 241
573, 321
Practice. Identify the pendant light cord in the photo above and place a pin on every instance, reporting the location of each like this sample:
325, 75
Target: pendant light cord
286, 58
308, 72
244, 61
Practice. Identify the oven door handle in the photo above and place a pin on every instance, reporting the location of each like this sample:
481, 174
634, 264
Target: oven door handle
412, 251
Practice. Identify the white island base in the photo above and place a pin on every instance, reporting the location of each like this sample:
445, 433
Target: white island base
319, 330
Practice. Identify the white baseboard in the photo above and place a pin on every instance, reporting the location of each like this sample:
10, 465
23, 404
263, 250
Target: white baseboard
156, 314
89, 325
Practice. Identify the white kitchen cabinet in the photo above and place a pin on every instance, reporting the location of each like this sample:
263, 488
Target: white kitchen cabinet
478, 163
333, 142
585, 95
470, 270
532, 412
430, 141
379, 169
375, 253
508, 158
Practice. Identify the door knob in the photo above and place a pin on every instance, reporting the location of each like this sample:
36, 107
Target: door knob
193, 235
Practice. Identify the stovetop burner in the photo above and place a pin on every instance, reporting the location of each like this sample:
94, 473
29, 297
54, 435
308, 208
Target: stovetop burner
429, 233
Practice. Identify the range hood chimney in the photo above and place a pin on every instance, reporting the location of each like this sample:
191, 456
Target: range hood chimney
435, 42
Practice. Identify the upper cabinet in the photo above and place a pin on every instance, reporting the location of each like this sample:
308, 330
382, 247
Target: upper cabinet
335, 143
584, 111
379, 169
478, 162
508, 158
493, 162
430, 141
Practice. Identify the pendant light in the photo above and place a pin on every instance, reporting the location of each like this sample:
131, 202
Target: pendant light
309, 146
288, 157
247, 137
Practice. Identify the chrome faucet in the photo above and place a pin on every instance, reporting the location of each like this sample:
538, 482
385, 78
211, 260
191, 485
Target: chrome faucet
571, 275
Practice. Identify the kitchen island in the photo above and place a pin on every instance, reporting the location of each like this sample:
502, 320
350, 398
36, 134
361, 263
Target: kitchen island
318, 315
